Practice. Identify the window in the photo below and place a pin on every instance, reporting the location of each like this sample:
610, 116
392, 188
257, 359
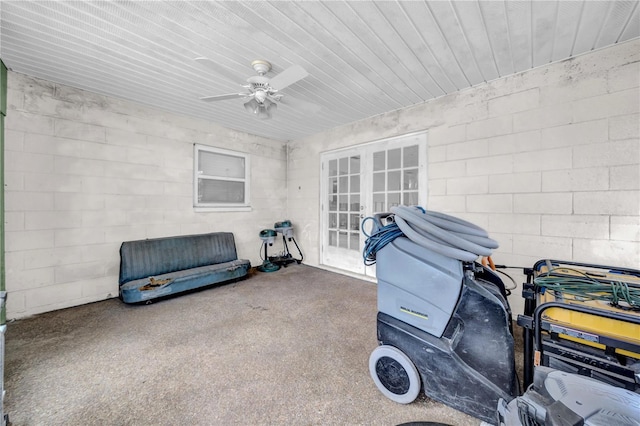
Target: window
221, 179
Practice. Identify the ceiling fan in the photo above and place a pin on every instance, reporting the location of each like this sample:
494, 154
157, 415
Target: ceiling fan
262, 93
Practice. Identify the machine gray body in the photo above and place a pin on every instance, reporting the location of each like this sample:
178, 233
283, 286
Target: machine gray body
418, 286
452, 321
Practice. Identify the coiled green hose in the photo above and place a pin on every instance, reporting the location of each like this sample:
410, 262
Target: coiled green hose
588, 288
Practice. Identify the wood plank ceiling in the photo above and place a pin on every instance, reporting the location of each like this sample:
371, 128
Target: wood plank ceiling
364, 58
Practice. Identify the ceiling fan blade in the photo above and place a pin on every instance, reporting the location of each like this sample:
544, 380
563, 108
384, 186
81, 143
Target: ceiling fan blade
287, 77
217, 68
224, 97
303, 106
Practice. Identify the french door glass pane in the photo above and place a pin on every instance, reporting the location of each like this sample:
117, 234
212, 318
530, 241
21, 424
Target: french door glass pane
410, 198
354, 165
333, 186
393, 181
394, 158
354, 222
410, 175
343, 166
410, 179
393, 199
333, 167
343, 221
379, 161
355, 203
354, 243
355, 184
344, 202
333, 238
343, 242
343, 187
378, 203
333, 220
410, 156
333, 202
378, 182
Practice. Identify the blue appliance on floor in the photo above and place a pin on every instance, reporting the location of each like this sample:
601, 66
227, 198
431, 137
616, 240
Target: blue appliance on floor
284, 258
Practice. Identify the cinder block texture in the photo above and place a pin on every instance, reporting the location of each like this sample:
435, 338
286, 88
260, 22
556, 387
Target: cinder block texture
549, 158
86, 172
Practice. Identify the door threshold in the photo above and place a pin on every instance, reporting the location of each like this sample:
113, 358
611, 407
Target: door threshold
348, 273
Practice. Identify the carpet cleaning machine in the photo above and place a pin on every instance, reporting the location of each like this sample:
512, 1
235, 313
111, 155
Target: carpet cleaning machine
444, 327
284, 258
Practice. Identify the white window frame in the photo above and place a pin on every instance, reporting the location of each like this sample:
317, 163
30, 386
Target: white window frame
199, 206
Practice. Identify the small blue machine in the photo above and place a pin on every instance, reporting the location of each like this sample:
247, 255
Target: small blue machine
444, 327
284, 258
268, 236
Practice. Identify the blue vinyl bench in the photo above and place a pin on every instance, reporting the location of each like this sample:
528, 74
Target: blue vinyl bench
160, 267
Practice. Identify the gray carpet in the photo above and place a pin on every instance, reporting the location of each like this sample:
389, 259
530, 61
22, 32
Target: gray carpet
284, 348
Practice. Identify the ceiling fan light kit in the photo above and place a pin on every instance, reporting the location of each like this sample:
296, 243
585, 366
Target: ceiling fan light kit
261, 110
262, 91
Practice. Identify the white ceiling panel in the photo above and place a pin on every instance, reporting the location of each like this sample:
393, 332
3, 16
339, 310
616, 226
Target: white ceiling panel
591, 23
495, 23
621, 14
364, 58
544, 21
456, 39
566, 29
632, 27
476, 37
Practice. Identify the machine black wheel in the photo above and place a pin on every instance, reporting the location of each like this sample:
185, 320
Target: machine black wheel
394, 374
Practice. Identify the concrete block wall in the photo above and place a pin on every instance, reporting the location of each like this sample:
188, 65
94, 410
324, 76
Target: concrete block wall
85, 172
548, 161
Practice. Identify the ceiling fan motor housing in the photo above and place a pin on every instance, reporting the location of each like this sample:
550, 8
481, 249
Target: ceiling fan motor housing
261, 66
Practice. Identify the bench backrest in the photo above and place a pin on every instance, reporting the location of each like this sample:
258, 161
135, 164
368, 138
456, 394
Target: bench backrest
145, 258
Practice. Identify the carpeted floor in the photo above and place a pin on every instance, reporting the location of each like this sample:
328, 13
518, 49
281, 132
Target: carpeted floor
284, 348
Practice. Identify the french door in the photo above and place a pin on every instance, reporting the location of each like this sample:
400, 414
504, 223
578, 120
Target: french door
361, 181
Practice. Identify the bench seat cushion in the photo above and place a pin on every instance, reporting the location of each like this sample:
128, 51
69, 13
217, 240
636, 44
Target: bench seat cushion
144, 258
161, 285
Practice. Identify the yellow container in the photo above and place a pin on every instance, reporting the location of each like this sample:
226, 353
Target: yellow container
592, 323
